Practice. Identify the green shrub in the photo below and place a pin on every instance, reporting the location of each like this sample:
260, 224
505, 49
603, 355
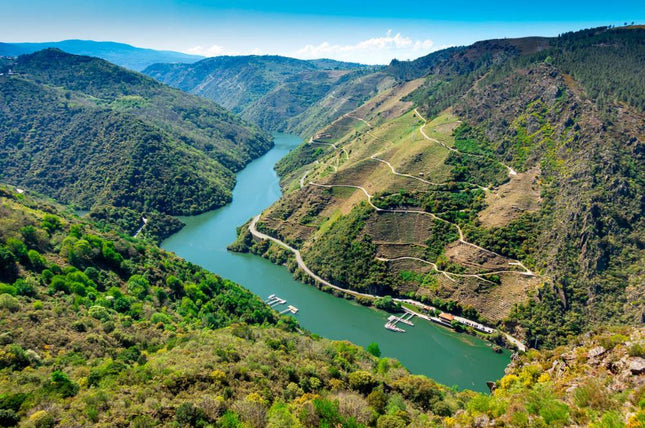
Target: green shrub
46, 276
327, 411
554, 413
229, 420
36, 260
441, 408
62, 385
100, 313
59, 283
362, 381
13, 357
636, 350
7, 258
610, 342
42, 419
51, 223
138, 286
9, 302
419, 389
159, 317
8, 418
488, 405
18, 248
8, 289
374, 349
12, 401
188, 414
25, 287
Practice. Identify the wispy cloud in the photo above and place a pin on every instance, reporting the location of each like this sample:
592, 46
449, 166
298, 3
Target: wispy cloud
377, 50
217, 50
213, 50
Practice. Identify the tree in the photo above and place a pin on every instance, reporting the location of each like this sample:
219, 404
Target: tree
7, 258
362, 381
387, 304
374, 349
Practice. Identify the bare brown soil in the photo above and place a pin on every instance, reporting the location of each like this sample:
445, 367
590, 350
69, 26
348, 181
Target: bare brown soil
521, 194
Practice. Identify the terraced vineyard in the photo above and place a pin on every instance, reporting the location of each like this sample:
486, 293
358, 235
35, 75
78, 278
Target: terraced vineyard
476, 209
397, 165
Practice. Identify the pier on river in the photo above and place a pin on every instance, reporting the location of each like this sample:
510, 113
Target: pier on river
405, 319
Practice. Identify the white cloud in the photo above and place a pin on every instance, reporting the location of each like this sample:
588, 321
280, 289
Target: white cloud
214, 50
377, 50
217, 50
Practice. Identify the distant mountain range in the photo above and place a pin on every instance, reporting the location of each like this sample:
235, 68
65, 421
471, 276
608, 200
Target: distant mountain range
121, 54
267, 90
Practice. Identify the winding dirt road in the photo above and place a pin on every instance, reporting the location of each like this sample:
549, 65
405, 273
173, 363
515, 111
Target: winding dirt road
511, 171
303, 266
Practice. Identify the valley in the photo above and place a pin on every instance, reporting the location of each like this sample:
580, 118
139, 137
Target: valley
204, 240
259, 240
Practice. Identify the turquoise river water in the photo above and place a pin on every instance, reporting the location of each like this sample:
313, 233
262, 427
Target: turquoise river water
437, 352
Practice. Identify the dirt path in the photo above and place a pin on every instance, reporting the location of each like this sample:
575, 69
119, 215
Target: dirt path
303, 266
145, 221
462, 239
511, 171
300, 261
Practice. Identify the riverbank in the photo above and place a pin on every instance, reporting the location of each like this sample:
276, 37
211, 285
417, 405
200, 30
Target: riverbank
440, 317
422, 349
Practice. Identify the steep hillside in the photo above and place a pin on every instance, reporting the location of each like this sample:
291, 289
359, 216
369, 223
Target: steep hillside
105, 330
266, 90
513, 192
117, 53
90, 133
101, 329
347, 95
449, 70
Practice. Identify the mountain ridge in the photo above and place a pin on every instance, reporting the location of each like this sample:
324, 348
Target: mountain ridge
264, 89
390, 198
166, 133
122, 54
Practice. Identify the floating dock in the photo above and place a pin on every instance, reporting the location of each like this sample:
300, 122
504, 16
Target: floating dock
291, 309
275, 301
405, 319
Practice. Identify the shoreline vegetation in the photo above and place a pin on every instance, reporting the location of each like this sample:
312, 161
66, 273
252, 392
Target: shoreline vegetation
387, 303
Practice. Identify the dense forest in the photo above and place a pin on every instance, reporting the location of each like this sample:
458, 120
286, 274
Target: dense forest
90, 133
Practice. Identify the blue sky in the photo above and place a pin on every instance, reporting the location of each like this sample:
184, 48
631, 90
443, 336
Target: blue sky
365, 31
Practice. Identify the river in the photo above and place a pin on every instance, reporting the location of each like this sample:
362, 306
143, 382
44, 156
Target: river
437, 352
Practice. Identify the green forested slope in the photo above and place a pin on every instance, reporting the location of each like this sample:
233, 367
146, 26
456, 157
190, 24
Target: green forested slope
87, 132
575, 112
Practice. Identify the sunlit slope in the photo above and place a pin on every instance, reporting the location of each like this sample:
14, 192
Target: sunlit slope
365, 160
